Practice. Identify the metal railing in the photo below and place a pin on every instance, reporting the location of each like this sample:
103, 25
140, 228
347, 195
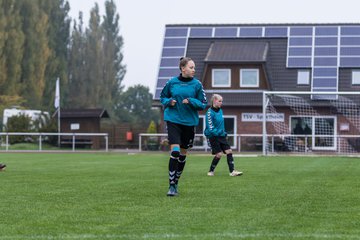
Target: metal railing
42, 135
275, 143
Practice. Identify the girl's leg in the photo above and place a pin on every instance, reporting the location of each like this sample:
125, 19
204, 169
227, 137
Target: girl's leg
230, 160
181, 164
214, 163
173, 165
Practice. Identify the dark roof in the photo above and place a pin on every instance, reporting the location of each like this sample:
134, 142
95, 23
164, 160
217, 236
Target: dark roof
83, 113
237, 52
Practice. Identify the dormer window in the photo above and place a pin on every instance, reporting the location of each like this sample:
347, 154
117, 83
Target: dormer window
249, 77
303, 77
221, 77
355, 77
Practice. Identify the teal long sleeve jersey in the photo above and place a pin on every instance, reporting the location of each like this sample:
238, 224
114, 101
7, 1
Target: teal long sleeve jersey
180, 88
215, 126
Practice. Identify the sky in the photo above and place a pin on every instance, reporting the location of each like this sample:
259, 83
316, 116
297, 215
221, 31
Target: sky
142, 23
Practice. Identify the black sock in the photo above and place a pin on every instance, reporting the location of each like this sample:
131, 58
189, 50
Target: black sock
172, 170
230, 161
180, 167
214, 163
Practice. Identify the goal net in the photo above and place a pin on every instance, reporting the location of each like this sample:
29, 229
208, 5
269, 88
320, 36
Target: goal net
311, 123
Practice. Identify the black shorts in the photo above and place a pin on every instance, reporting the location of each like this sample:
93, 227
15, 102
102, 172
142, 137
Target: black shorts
218, 144
181, 134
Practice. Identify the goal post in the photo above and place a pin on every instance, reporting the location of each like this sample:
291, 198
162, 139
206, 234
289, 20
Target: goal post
311, 122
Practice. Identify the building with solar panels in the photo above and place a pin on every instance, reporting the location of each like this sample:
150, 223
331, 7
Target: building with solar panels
242, 61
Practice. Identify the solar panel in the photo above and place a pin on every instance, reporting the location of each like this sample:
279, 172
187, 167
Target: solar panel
350, 61
157, 93
350, 30
324, 82
201, 32
301, 31
176, 32
173, 52
326, 31
325, 61
300, 41
174, 42
169, 62
168, 72
162, 81
300, 51
349, 51
351, 41
251, 32
350, 46
326, 51
225, 32
299, 62
322, 41
276, 32
325, 72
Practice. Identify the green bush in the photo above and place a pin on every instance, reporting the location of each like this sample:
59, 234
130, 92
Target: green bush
24, 123
20, 123
48, 125
152, 127
152, 143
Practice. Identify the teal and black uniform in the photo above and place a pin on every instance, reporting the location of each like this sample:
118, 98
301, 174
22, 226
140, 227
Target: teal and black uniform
216, 136
215, 126
181, 120
215, 131
180, 88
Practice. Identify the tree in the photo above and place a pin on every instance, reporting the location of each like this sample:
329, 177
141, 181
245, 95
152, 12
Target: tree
95, 57
11, 47
33, 49
36, 52
11, 53
113, 69
58, 41
135, 106
96, 68
77, 86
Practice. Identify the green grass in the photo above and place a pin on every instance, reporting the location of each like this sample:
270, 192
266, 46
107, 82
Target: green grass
120, 196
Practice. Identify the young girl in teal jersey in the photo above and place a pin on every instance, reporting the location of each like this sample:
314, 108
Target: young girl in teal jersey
182, 97
216, 135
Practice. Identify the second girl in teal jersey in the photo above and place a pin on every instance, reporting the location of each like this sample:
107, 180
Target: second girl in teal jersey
216, 135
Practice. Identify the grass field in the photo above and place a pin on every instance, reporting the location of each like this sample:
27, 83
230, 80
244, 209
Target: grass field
121, 196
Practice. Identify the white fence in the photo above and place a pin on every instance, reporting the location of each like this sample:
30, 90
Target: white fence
71, 137
276, 143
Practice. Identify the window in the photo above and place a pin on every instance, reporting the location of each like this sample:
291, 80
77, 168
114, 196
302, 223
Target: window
230, 128
320, 132
221, 77
303, 77
249, 77
200, 141
356, 77
301, 125
324, 133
